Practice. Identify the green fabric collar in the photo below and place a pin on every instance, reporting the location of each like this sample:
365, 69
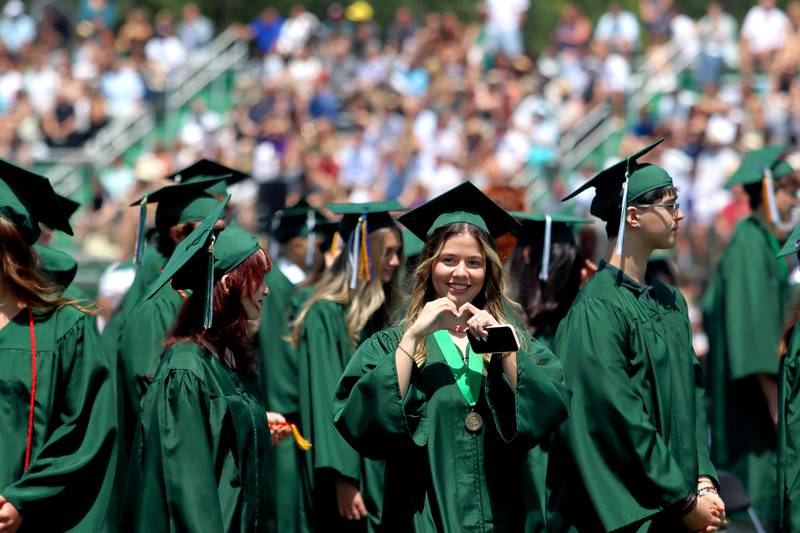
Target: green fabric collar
622, 278
458, 216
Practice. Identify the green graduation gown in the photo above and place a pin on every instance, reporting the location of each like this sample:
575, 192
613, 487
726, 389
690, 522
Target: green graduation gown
279, 388
636, 440
152, 263
534, 476
440, 477
789, 438
198, 461
744, 310
140, 345
323, 353
73, 448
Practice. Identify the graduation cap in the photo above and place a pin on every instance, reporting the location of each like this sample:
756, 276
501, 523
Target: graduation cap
300, 220
184, 202
763, 165
204, 256
26, 199
206, 168
463, 203
59, 267
546, 228
620, 184
358, 221
792, 244
68, 206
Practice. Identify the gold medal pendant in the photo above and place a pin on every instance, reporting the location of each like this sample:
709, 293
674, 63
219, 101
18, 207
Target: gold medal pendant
473, 422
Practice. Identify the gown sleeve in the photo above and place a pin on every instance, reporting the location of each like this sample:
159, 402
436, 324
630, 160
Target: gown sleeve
368, 409
541, 400
71, 474
322, 339
788, 442
753, 317
183, 454
629, 472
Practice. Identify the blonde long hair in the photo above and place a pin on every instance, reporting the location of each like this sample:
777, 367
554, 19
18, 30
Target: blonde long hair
366, 299
492, 295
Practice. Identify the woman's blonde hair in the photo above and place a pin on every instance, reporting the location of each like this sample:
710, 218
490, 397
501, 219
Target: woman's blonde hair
492, 297
366, 299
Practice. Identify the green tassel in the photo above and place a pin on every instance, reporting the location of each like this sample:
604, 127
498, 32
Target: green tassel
139, 245
208, 314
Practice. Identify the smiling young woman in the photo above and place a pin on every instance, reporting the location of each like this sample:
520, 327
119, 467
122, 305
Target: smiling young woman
453, 426
199, 459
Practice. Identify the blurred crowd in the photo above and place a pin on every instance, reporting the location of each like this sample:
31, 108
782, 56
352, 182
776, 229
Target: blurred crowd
339, 108
65, 75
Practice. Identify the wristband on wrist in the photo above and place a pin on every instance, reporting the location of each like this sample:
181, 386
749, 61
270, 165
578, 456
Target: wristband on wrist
413, 359
707, 490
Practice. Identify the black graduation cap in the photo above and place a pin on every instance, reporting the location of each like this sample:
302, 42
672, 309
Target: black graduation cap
622, 183
27, 199
463, 203
184, 202
205, 168
68, 206
298, 221
358, 221
546, 228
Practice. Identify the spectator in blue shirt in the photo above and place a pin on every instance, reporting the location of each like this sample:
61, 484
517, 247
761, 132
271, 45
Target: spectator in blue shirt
265, 29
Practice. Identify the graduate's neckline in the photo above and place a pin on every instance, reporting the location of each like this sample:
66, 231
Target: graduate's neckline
622, 278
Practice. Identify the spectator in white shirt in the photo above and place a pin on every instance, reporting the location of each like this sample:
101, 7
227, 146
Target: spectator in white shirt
764, 33
195, 29
618, 29
504, 21
16, 27
296, 31
164, 48
718, 47
123, 87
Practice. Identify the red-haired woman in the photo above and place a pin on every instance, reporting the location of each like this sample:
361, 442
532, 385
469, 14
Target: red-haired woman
57, 405
198, 459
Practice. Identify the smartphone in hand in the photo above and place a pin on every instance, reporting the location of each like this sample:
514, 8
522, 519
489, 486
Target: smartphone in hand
498, 339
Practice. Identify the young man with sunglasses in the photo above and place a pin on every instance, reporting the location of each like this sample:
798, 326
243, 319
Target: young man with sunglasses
744, 311
633, 456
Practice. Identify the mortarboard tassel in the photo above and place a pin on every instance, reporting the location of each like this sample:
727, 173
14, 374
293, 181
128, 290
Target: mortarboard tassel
302, 442
138, 246
311, 242
336, 244
623, 210
355, 252
208, 313
365, 262
768, 188
544, 272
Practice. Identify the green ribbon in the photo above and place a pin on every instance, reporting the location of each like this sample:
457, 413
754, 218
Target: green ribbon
469, 377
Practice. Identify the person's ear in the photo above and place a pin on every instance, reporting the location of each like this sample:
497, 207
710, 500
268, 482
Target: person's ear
225, 283
632, 217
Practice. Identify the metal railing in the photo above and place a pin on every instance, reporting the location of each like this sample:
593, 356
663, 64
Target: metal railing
225, 52
598, 125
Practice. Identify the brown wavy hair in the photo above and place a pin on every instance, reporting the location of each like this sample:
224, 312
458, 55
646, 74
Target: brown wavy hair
20, 274
229, 329
492, 296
